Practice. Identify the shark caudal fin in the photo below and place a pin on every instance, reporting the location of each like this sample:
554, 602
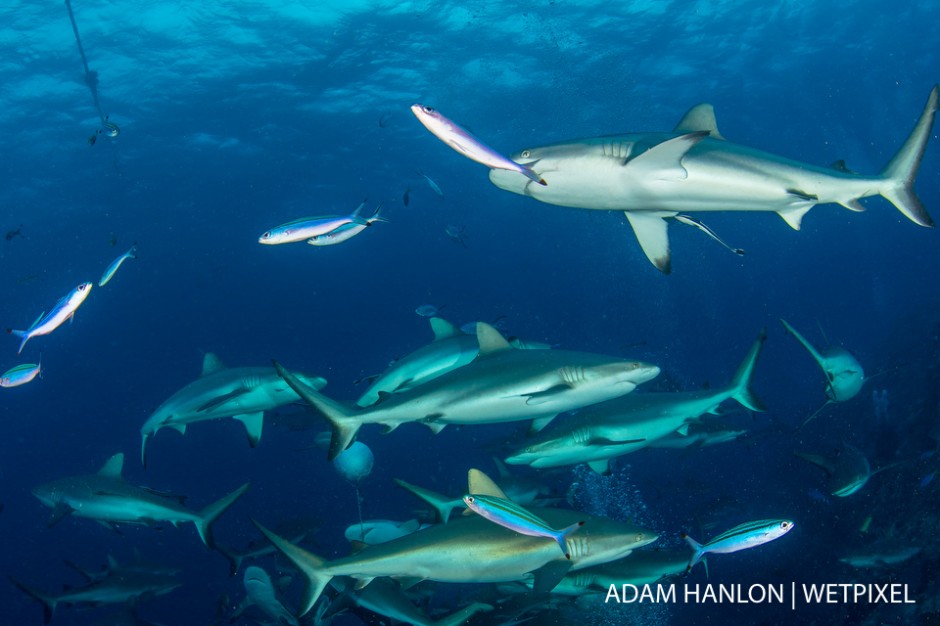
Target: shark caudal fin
207, 517
308, 563
441, 504
343, 422
741, 384
899, 174
48, 602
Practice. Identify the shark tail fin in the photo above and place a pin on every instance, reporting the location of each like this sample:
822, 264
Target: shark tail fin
234, 560
343, 422
144, 437
207, 517
310, 564
441, 504
48, 602
459, 617
741, 384
697, 555
899, 174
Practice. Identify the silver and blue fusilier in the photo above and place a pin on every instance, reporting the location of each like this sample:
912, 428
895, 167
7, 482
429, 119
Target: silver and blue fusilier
742, 537
63, 310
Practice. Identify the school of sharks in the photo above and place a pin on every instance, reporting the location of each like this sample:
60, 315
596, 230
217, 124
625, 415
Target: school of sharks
529, 551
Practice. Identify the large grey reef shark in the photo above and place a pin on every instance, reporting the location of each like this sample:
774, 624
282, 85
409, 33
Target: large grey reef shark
501, 384
623, 425
107, 498
118, 586
243, 393
658, 175
473, 550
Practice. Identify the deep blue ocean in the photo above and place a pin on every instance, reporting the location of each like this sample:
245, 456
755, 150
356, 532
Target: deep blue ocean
239, 116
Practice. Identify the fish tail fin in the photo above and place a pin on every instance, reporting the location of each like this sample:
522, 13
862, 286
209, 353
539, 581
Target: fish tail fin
531, 175
697, 555
343, 422
207, 517
22, 334
562, 537
459, 617
441, 504
48, 602
310, 564
741, 384
898, 176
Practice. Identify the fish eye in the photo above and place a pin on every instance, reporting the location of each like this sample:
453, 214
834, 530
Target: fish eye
266, 235
526, 154
470, 499
784, 525
427, 109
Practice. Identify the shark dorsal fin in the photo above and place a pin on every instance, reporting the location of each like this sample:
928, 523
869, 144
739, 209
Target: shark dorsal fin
443, 329
699, 117
491, 341
113, 466
480, 484
211, 364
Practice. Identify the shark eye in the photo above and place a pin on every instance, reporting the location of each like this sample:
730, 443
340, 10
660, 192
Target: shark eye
526, 154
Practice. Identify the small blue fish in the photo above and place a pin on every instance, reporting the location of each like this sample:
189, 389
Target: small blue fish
430, 182
21, 374
510, 515
926, 480
115, 264
747, 535
63, 310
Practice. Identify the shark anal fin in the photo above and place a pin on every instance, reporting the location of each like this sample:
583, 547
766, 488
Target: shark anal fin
253, 423
793, 216
651, 231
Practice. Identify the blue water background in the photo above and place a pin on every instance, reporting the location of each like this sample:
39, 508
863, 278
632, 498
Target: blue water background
240, 116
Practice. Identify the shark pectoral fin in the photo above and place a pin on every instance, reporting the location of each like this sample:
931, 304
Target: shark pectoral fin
538, 424
600, 466
541, 397
664, 160
220, 400
651, 231
59, 512
794, 215
549, 575
180, 428
253, 423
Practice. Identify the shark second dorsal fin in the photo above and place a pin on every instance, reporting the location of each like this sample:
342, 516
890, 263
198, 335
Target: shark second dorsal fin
490, 340
443, 329
480, 484
700, 117
112, 467
211, 364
